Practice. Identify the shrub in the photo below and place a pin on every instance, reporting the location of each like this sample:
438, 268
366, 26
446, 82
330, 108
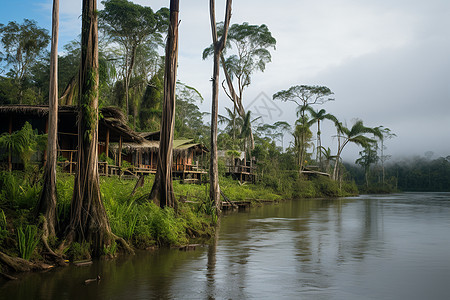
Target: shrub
304, 189
326, 187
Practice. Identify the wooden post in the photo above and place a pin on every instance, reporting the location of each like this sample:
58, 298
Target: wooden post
9, 150
151, 160
70, 162
120, 155
107, 152
107, 143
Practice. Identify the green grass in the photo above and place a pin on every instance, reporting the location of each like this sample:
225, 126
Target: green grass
137, 220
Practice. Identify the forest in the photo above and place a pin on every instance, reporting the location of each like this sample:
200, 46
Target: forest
129, 62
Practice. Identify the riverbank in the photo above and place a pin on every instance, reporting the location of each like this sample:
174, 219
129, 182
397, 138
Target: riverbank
142, 224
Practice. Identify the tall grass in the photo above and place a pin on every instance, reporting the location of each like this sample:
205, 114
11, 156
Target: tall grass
27, 240
17, 191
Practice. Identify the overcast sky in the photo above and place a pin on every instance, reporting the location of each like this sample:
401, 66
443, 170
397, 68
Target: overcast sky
387, 61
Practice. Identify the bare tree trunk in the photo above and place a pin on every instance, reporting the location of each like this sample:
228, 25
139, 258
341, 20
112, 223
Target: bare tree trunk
88, 219
47, 201
162, 189
214, 192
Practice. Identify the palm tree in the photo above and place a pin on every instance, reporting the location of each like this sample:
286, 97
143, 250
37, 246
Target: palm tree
232, 123
318, 116
302, 134
326, 153
356, 135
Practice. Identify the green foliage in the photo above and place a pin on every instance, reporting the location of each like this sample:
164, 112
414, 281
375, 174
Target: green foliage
3, 226
64, 186
110, 250
17, 191
189, 119
102, 157
22, 44
24, 143
27, 240
304, 189
251, 44
125, 166
326, 187
145, 224
305, 95
79, 251
418, 174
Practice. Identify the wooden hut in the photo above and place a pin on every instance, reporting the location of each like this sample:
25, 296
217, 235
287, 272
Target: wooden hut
112, 129
188, 157
237, 166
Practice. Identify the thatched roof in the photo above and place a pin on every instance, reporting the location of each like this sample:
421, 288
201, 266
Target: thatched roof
112, 118
151, 136
35, 110
179, 147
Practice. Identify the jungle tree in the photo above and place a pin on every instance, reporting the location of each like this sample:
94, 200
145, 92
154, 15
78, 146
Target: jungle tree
162, 189
47, 202
304, 96
367, 158
319, 116
250, 44
386, 133
282, 127
88, 219
357, 135
23, 44
131, 25
302, 136
216, 49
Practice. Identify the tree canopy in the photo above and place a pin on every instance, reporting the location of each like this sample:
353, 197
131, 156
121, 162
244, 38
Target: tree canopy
130, 26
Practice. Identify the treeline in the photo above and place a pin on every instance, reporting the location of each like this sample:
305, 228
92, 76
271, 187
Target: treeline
131, 68
415, 174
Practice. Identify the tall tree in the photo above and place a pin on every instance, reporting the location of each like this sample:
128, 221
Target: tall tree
131, 25
304, 96
47, 202
302, 137
357, 135
282, 127
23, 43
162, 189
385, 133
319, 116
216, 49
367, 158
250, 44
88, 219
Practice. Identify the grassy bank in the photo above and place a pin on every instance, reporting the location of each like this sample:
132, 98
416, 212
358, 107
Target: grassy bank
141, 223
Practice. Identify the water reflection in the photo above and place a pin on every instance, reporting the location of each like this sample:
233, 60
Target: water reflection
377, 247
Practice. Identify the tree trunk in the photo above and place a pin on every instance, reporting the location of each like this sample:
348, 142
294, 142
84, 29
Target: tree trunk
88, 219
162, 189
214, 192
47, 201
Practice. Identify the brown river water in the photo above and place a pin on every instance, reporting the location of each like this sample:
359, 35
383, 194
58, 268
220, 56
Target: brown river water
368, 247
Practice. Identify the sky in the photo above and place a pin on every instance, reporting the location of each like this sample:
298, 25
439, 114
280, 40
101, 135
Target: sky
387, 61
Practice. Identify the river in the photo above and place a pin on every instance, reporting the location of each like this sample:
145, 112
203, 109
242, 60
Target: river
368, 247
